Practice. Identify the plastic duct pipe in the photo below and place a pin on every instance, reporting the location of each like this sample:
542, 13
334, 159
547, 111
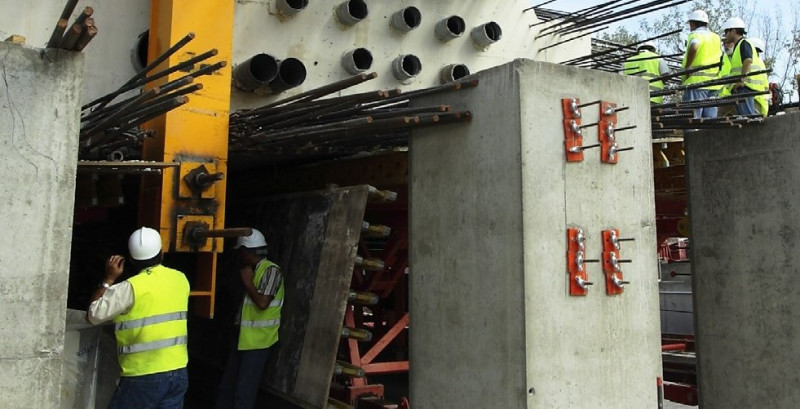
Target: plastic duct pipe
406, 19
351, 12
453, 72
406, 67
255, 73
357, 61
487, 34
450, 28
291, 7
291, 73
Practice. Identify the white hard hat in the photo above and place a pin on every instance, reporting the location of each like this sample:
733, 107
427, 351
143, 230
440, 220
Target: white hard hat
144, 244
253, 241
698, 15
758, 43
651, 44
734, 22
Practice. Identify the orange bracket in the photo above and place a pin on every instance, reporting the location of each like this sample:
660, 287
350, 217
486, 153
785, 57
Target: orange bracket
606, 133
576, 262
573, 139
614, 279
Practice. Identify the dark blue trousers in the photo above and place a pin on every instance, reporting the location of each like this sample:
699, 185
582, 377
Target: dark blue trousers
163, 390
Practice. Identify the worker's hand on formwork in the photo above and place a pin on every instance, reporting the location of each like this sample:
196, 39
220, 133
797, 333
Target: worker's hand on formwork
114, 267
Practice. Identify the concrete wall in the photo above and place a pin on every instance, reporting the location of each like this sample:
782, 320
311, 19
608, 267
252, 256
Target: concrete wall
313, 36
745, 231
492, 324
39, 99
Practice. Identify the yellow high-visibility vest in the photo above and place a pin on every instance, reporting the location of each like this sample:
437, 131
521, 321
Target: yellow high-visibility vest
725, 71
646, 65
152, 336
708, 52
259, 328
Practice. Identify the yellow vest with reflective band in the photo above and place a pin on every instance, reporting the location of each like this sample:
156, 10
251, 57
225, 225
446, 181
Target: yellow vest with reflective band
725, 71
708, 52
151, 337
259, 328
646, 64
758, 82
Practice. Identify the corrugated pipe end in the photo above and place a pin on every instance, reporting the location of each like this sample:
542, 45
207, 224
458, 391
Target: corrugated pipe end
406, 67
406, 19
291, 73
357, 61
453, 72
291, 7
351, 12
255, 73
487, 34
450, 28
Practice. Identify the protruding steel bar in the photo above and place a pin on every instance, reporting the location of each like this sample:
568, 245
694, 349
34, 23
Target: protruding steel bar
66, 13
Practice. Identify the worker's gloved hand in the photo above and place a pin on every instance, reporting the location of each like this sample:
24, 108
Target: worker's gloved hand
114, 267
247, 274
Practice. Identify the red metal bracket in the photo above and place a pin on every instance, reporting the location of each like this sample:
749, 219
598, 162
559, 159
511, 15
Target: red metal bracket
615, 283
606, 135
573, 139
576, 262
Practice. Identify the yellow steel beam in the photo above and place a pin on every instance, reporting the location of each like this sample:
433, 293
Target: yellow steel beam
193, 135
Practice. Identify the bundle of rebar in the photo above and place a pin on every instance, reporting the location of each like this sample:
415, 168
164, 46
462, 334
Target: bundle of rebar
306, 125
108, 126
76, 36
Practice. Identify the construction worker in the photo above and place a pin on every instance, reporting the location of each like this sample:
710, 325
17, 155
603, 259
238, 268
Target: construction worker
702, 49
724, 71
258, 323
762, 101
648, 64
743, 59
149, 311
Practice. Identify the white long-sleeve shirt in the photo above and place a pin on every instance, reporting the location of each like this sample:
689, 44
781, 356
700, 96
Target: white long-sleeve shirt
117, 300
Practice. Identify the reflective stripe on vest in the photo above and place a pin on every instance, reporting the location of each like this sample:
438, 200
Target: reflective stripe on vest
150, 346
708, 52
259, 328
649, 63
755, 82
151, 336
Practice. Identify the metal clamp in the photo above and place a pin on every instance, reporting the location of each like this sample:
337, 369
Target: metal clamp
573, 137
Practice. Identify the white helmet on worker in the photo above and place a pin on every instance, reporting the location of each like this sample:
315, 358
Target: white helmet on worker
734, 22
648, 44
254, 241
758, 43
144, 244
698, 15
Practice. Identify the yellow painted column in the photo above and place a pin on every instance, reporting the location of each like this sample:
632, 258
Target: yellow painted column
193, 135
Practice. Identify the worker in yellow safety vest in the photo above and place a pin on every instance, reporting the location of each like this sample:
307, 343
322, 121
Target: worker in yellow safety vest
762, 101
744, 59
702, 49
648, 64
149, 313
259, 321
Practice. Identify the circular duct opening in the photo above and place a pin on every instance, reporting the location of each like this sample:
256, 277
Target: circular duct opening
362, 59
292, 72
263, 67
141, 50
357, 9
460, 71
411, 65
412, 17
456, 25
297, 4
493, 31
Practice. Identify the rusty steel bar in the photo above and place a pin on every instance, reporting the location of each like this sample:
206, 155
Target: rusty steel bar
87, 36
71, 37
116, 117
721, 81
66, 13
161, 58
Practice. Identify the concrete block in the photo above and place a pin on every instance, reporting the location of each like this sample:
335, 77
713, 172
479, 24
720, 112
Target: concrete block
39, 109
745, 222
492, 323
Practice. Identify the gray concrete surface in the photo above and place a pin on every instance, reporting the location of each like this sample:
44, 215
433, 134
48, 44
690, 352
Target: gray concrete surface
39, 113
492, 324
745, 223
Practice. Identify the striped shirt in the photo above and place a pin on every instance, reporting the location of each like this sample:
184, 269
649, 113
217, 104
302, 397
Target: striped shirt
270, 282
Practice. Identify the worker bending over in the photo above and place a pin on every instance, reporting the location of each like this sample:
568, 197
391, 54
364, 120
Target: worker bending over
702, 49
258, 323
648, 64
149, 312
743, 59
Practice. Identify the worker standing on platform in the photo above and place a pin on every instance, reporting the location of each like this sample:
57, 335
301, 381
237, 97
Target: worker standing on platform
648, 64
149, 311
743, 59
762, 101
258, 323
702, 49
